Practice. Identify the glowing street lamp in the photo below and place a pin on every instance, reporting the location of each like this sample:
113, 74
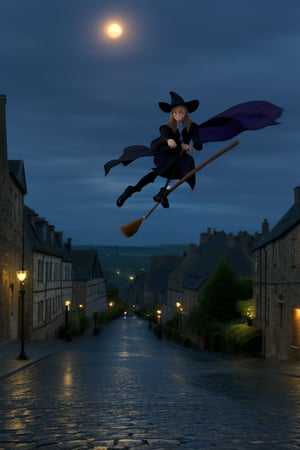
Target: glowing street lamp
68, 304
67, 307
22, 275
159, 328
180, 311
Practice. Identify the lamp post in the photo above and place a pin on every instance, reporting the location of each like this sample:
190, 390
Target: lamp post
131, 294
21, 275
159, 328
96, 329
179, 312
67, 334
158, 314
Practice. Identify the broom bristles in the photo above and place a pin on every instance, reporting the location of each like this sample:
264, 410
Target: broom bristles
131, 228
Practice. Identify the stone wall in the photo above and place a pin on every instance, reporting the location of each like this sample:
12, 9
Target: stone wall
11, 219
276, 275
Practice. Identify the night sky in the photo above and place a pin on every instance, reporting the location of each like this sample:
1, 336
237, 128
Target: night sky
76, 98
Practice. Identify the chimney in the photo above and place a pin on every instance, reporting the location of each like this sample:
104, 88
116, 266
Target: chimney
51, 230
297, 194
3, 140
68, 244
59, 237
205, 236
265, 228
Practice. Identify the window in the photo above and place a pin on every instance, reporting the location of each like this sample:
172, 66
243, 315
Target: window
268, 311
40, 311
48, 271
16, 205
56, 271
40, 270
48, 309
293, 251
275, 254
280, 314
67, 272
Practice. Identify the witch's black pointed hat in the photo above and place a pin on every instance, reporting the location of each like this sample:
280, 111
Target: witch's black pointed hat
176, 100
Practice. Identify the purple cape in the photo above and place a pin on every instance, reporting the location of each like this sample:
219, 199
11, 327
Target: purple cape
252, 115
244, 116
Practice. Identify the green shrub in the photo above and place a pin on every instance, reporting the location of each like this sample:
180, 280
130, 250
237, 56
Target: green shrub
219, 295
185, 341
84, 323
241, 338
202, 321
215, 341
244, 288
78, 324
247, 308
170, 330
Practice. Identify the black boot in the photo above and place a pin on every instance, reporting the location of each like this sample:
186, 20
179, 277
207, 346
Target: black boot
126, 194
161, 197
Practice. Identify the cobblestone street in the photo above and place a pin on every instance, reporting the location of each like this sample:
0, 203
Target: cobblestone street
126, 389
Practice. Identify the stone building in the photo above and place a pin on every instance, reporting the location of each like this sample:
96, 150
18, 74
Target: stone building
89, 289
29, 242
276, 283
49, 282
57, 274
156, 279
188, 279
12, 192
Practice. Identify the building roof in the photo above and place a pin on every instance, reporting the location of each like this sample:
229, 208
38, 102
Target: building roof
17, 171
86, 264
197, 267
160, 266
42, 236
288, 221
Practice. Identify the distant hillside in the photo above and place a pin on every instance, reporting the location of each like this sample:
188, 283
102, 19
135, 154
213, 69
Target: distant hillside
121, 262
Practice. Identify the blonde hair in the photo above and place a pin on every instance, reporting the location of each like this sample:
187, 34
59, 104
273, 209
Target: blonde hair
172, 122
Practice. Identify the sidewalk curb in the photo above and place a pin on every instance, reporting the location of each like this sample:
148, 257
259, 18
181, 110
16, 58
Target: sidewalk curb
25, 366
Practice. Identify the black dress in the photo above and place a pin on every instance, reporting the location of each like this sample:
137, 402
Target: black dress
174, 163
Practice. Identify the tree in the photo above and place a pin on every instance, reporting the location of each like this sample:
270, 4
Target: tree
202, 322
245, 289
219, 296
112, 293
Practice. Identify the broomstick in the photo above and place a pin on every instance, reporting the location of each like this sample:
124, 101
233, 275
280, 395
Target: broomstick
131, 228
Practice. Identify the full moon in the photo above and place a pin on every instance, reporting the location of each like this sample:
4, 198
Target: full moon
114, 30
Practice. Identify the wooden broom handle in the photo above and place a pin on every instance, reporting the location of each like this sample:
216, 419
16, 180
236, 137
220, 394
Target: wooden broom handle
203, 164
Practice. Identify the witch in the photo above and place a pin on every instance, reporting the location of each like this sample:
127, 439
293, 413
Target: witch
170, 149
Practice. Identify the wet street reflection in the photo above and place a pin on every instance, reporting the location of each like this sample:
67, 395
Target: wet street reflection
127, 389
